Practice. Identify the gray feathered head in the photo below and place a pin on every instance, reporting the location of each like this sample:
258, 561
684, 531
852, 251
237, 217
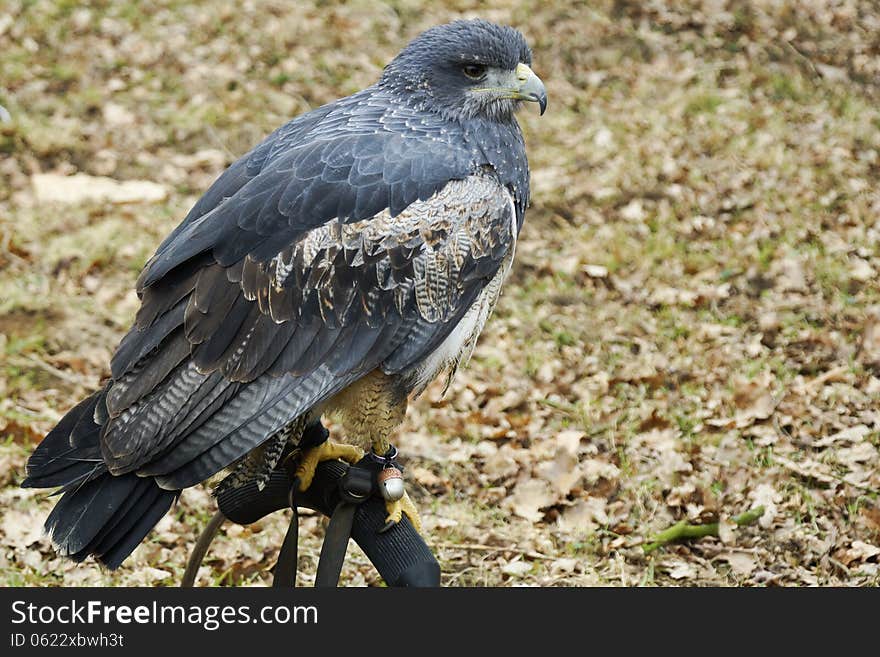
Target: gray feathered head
467, 69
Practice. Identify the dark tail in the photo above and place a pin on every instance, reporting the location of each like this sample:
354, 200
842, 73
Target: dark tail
98, 513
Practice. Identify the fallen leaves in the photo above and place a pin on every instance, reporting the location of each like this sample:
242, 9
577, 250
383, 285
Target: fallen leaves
594, 470
17, 529
584, 516
790, 274
517, 568
81, 188
765, 495
529, 497
869, 349
22, 432
741, 563
691, 327
852, 434
561, 473
809, 469
754, 401
858, 552
679, 569
861, 270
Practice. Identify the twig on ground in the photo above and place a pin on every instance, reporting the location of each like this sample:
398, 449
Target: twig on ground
683, 530
835, 375
477, 547
33, 361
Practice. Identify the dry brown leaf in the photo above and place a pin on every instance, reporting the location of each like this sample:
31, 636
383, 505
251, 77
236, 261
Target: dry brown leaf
762, 435
562, 473
569, 440
861, 270
681, 569
671, 296
584, 516
654, 421
808, 469
80, 187
871, 516
563, 566
22, 433
595, 469
208, 158
850, 435
754, 399
859, 551
726, 530
517, 568
741, 563
767, 496
790, 274
117, 115
425, 477
681, 495
863, 452
529, 497
502, 464
439, 522
154, 575
869, 351
595, 271
20, 529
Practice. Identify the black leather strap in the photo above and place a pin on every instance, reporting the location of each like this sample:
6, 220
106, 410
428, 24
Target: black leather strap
288, 557
335, 545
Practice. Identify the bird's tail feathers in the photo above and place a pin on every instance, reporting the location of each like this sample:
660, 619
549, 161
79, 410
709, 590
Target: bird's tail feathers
98, 513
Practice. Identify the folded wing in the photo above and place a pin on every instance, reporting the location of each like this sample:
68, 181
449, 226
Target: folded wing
230, 345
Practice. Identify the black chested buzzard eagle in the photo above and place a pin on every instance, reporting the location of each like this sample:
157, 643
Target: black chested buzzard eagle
339, 266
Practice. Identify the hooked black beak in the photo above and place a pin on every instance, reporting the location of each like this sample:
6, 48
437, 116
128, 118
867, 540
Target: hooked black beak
531, 88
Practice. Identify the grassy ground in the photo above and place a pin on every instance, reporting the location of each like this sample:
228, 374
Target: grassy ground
692, 327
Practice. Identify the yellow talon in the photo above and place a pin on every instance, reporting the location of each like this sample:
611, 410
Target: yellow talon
326, 451
396, 511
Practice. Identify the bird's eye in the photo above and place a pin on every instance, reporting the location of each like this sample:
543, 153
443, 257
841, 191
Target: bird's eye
474, 71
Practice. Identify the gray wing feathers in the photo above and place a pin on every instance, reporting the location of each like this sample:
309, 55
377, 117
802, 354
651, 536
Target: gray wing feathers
247, 347
241, 437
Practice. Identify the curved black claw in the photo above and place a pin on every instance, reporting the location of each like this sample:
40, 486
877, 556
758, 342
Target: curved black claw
388, 525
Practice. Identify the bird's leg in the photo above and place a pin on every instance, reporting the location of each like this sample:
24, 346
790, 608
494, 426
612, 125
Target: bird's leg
328, 450
397, 501
389, 410
396, 511
372, 408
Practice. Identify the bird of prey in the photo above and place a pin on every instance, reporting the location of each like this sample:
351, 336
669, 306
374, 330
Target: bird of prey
337, 268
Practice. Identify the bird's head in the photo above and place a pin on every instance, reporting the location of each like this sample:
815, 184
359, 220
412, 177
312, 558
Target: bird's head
468, 69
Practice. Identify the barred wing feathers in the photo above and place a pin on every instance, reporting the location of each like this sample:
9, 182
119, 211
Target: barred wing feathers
225, 353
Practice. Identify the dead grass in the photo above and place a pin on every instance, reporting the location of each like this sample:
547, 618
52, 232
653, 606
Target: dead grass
692, 327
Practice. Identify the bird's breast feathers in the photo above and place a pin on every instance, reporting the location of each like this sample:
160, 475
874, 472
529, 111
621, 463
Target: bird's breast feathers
459, 345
